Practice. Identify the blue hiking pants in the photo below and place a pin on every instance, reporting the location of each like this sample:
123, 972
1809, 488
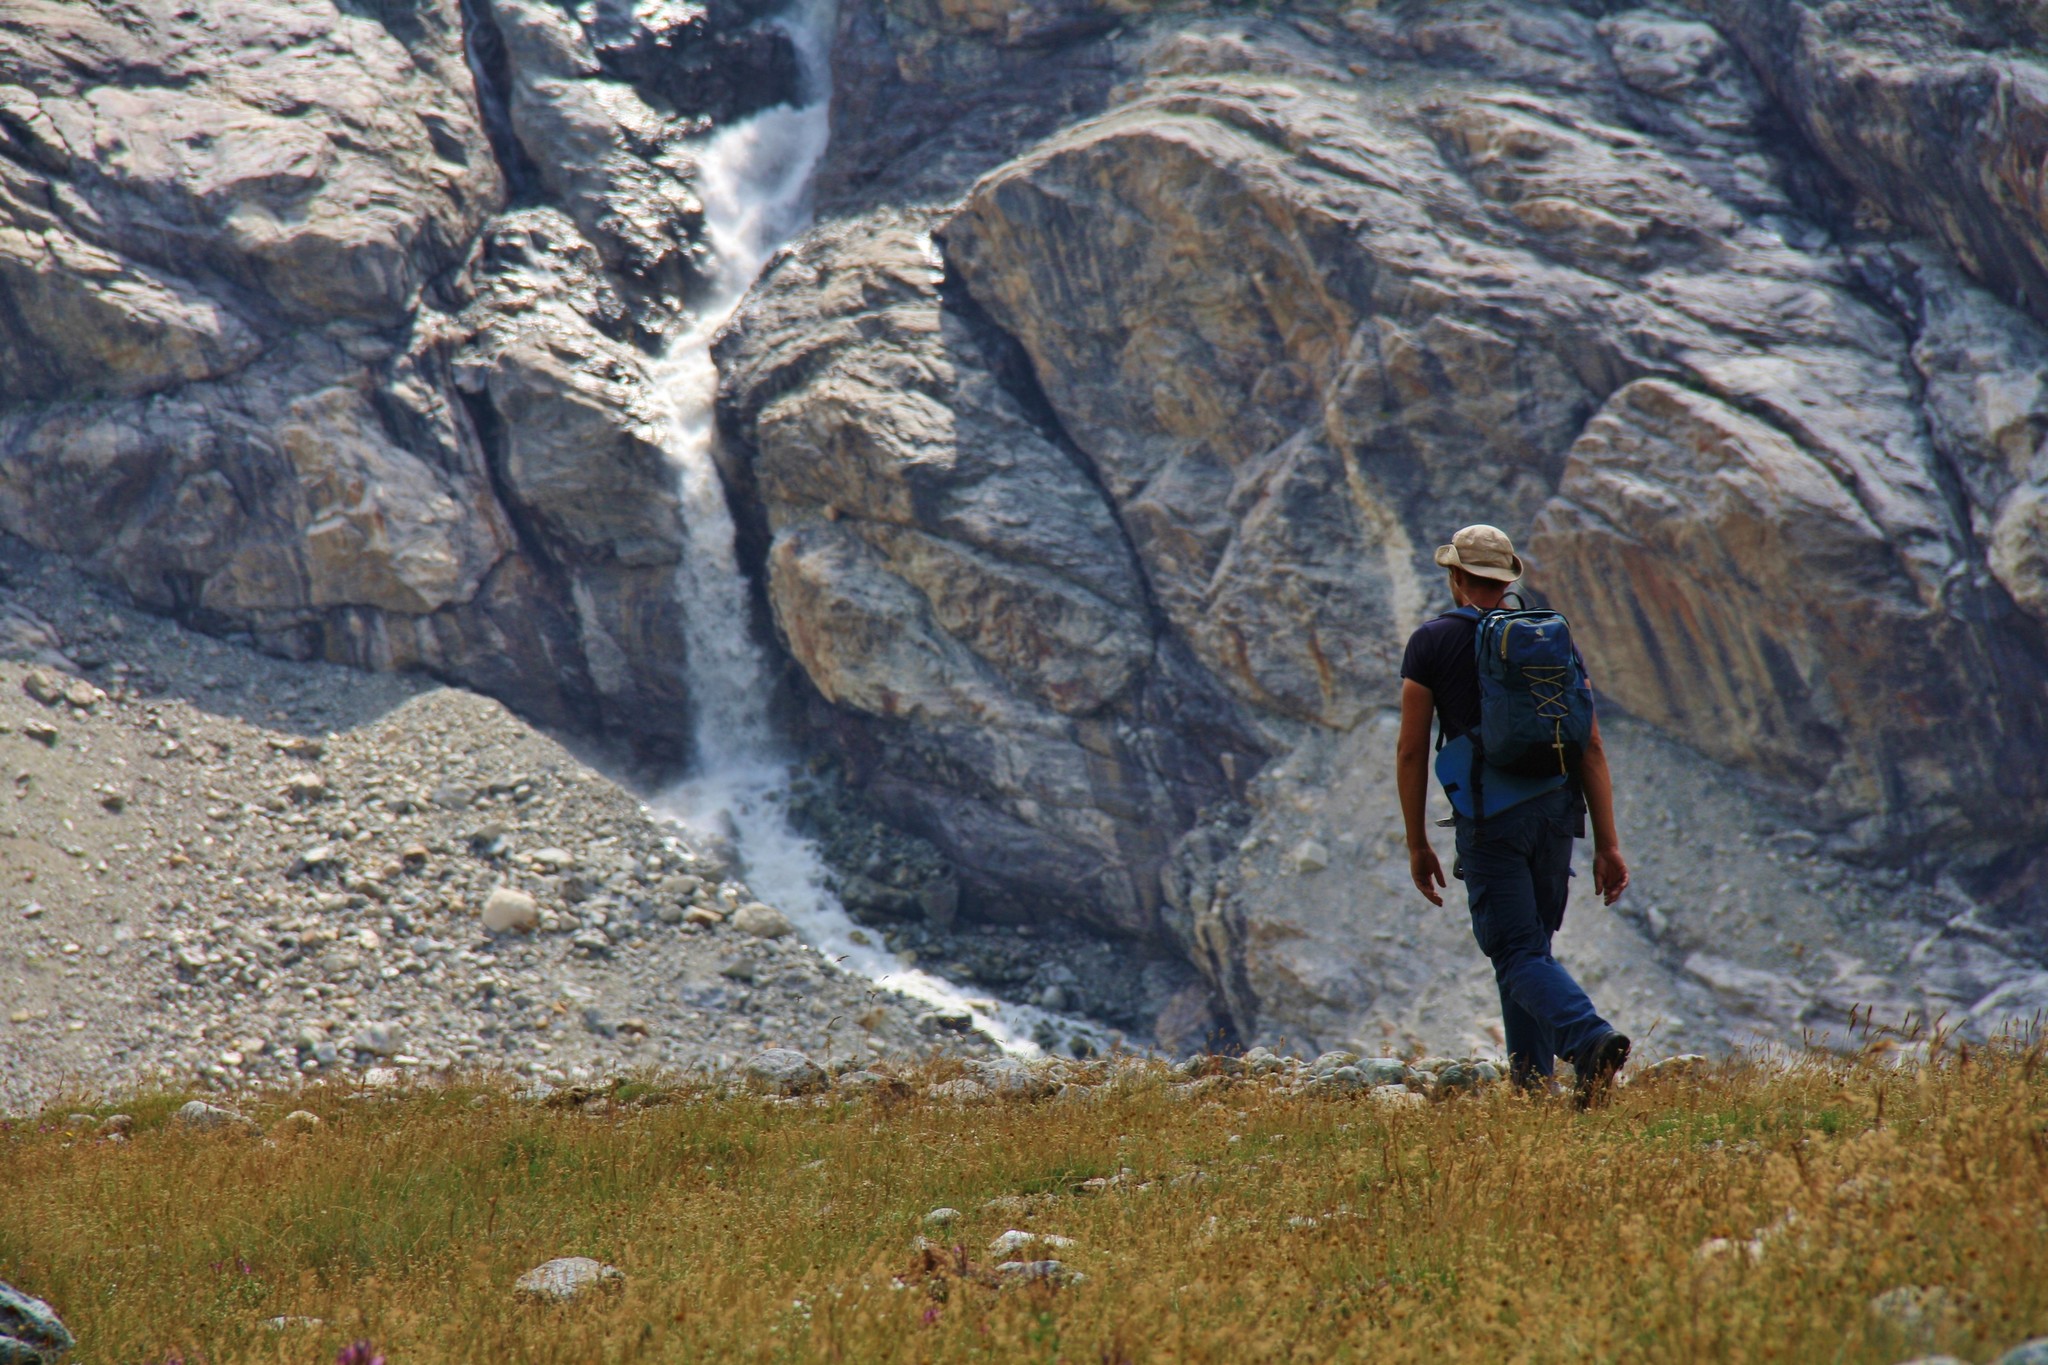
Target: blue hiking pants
1518, 872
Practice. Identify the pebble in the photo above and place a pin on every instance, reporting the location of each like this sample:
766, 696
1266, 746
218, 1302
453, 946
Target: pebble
959, 1092
1345, 1080
289, 1322
1052, 1271
762, 921
203, 1117
381, 1039
1457, 1076
784, 1071
862, 1082
30, 1331
1016, 1239
1921, 1311
568, 1277
1379, 1071
1008, 1076
507, 910
298, 1121
1308, 856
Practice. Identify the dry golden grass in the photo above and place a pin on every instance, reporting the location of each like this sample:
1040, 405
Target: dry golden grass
1486, 1229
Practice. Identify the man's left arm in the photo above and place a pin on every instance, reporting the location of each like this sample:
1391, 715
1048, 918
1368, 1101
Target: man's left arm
1610, 868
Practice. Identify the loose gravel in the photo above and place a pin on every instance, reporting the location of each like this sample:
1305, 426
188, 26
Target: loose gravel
222, 865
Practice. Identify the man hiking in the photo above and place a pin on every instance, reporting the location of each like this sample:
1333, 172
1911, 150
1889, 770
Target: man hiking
1508, 687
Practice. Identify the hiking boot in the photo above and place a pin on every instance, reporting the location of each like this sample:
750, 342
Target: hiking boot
1597, 1065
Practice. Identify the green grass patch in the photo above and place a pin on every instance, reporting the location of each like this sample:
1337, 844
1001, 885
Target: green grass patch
1241, 1222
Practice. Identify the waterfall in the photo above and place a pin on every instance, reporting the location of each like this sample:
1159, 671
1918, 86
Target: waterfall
753, 179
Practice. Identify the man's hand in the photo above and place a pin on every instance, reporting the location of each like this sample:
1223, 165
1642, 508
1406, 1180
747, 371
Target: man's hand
1610, 873
1428, 873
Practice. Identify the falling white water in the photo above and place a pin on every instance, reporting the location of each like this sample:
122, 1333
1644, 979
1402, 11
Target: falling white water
753, 179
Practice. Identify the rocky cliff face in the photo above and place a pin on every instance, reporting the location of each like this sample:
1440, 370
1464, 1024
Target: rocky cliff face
1089, 452
331, 325
1728, 312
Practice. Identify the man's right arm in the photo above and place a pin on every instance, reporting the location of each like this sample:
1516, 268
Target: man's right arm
1411, 778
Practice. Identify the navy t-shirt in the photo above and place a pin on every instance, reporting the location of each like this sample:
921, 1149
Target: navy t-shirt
1439, 656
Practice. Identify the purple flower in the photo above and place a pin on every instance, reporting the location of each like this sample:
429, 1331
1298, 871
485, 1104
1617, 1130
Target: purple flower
358, 1353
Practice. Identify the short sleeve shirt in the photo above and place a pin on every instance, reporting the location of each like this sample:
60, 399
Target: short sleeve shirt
1439, 657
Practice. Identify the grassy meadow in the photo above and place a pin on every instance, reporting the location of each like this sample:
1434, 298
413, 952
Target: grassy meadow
1228, 1221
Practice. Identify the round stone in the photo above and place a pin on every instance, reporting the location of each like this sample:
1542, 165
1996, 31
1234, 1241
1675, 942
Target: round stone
507, 910
762, 921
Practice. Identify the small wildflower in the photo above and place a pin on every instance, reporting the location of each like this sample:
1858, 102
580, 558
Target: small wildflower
358, 1353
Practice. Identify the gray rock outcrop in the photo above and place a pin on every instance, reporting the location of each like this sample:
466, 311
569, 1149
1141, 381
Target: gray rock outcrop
957, 591
1089, 452
1259, 308
30, 1331
277, 360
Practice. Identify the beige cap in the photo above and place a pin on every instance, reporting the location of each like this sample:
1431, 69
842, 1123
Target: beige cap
1483, 552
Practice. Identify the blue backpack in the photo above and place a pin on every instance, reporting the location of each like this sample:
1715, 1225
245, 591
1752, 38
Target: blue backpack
1535, 714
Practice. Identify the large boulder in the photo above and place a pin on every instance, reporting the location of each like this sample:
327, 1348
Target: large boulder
956, 591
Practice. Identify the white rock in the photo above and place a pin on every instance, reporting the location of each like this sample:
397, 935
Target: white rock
381, 1039
1308, 856
1396, 1096
784, 1071
506, 910
959, 1091
198, 1114
1016, 1239
939, 1217
568, 1277
762, 921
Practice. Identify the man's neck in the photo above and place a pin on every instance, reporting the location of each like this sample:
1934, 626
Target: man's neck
1485, 601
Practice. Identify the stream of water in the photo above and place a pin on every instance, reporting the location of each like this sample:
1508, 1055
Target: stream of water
753, 178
